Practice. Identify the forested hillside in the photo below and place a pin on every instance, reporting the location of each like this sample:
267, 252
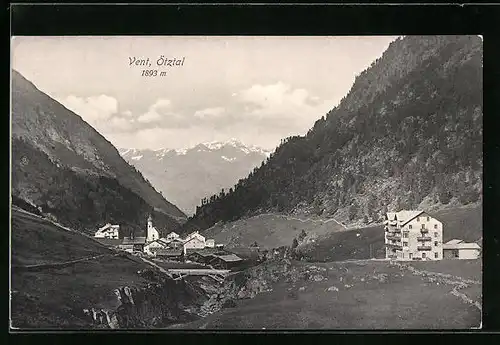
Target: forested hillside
407, 135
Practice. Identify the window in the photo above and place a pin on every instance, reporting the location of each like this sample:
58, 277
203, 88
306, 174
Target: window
428, 218
411, 255
424, 255
435, 226
418, 219
409, 226
423, 226
436, 255
405, 244
403, 255
435, 234
435, 243
405, 234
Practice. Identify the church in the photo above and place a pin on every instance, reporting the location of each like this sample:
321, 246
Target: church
152, 233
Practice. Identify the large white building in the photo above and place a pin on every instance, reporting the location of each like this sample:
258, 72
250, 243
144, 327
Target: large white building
108, 231
413, 235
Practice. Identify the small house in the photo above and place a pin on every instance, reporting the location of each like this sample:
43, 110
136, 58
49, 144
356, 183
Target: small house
135, 244
108, 231
172, 236
203, 256
210, 243
458, 249
151, 247
194, 242
227, 262
169, 254
175, 244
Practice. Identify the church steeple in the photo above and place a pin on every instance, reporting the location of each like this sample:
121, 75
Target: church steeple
152, 233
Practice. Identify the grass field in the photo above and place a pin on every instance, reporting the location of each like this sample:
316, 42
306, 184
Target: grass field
353, 295
57, 297
37, 241
268, 230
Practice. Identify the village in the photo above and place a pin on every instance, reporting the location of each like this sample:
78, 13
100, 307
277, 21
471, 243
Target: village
409, 235
194, 248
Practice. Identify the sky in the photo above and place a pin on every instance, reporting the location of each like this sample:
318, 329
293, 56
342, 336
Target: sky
254, 89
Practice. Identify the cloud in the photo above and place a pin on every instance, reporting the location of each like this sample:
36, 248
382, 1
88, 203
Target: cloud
161, 113
92, 109
127, 113
150, 116
120, 124
210, 112
283, 105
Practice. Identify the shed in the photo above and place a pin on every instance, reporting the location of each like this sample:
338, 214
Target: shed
135, 244
228, 261
457, 249
171, 254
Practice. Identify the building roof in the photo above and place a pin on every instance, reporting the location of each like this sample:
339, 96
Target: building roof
168, 252
136, 240
156, 241
109, 241
106, 227
462, 245
173, 233
204, 251
229, 257
403, 216
163, 241
454, 241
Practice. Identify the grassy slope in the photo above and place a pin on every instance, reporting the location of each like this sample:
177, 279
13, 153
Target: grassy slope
404, 301
56, 297
268, 230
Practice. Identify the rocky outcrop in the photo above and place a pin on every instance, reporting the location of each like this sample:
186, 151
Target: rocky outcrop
153, 306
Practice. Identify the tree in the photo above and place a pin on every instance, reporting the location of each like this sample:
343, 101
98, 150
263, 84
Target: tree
295, 243
353, 211
302, 235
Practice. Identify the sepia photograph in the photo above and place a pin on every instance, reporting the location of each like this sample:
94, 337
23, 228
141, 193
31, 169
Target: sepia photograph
246, 182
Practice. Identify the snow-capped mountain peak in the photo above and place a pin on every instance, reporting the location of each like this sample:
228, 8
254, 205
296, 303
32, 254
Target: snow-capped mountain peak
187, 175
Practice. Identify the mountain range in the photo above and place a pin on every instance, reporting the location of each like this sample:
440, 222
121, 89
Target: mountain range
407, 135
68, 171
186, 176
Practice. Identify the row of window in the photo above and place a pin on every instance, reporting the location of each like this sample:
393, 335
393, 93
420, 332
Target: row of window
405, 244
418, 219
423, 226
424, 255
405, 234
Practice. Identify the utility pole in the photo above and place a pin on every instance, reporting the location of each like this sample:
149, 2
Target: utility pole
371, 251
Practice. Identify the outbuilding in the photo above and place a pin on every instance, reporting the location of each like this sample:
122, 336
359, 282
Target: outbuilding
458, 249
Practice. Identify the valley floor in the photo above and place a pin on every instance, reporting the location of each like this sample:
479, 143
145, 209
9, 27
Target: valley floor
358, 295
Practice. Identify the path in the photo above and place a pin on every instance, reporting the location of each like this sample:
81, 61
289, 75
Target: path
457, 282
57, 264
20, 210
